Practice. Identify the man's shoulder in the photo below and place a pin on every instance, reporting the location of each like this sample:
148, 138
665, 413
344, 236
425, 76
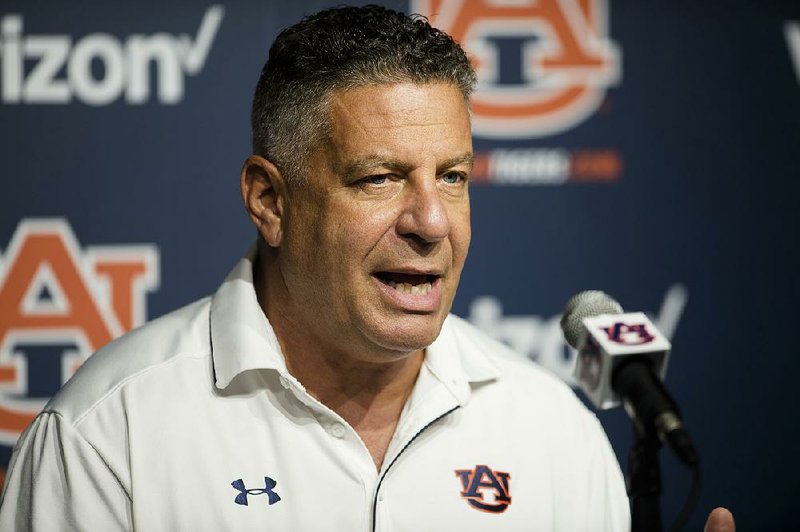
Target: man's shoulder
525, 392
180, 334
517, 376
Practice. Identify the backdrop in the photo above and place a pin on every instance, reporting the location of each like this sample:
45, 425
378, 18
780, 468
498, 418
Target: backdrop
648, 149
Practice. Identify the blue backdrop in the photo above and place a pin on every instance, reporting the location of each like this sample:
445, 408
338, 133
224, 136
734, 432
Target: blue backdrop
648, 149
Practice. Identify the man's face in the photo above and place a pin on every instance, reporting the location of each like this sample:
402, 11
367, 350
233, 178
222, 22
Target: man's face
375, 240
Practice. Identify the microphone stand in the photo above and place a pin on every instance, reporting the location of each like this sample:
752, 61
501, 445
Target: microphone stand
644, 480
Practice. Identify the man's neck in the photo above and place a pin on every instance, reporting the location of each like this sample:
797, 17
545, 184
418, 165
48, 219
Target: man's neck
368, 390
369, 396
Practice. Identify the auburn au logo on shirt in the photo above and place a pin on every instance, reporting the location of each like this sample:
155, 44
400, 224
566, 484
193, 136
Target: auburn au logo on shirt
58, 304
485, 489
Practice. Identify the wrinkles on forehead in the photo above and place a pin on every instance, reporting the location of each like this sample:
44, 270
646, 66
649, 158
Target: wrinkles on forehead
400, 128
408, 107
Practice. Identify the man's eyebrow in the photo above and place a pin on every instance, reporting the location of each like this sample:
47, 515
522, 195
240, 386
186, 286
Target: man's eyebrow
371, 162
465, 159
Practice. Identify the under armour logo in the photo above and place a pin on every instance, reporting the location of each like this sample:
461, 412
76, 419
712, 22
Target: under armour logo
269, 484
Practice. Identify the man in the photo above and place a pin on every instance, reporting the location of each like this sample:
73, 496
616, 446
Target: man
324, 386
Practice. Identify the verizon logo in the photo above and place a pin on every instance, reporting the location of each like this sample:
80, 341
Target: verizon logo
62, 70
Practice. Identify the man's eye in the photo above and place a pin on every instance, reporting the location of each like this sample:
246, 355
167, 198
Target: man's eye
453, 178
376, 179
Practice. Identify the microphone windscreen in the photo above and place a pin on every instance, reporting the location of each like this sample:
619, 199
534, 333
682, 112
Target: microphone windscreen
583, 305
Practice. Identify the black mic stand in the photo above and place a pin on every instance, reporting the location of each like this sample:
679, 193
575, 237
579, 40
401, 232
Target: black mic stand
644, 479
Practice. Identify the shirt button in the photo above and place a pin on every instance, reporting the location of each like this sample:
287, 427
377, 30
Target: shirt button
336, 430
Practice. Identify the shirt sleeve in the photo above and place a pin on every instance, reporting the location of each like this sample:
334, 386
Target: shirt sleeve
57, 481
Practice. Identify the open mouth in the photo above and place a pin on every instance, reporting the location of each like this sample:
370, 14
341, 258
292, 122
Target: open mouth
408, 283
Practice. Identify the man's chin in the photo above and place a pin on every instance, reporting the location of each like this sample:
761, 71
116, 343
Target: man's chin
408, 335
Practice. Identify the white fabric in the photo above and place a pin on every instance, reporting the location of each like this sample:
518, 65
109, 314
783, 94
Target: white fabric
151, 433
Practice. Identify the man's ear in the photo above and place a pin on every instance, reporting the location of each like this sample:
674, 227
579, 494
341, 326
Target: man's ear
264, 194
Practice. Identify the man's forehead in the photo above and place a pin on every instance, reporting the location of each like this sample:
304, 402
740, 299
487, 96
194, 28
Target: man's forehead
398, 100
393, 125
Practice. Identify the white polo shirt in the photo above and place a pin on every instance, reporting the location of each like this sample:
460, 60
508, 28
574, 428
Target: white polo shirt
193, 423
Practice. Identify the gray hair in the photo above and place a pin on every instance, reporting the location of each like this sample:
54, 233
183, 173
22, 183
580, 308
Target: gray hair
339, 49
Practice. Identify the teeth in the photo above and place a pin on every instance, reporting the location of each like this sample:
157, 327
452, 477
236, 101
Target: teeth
408, 288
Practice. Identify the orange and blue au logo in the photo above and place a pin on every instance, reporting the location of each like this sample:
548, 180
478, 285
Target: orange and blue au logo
58, 304
629, 333
544, 67
485, 489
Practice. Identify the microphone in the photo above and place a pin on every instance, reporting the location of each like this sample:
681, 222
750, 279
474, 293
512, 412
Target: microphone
622, 359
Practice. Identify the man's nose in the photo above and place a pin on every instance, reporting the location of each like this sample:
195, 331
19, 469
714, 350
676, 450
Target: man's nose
425, 217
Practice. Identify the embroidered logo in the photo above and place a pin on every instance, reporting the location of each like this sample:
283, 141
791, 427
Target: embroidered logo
269, 484
485, 489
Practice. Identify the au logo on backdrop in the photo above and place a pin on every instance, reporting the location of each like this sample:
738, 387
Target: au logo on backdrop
58, 304
543, 67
